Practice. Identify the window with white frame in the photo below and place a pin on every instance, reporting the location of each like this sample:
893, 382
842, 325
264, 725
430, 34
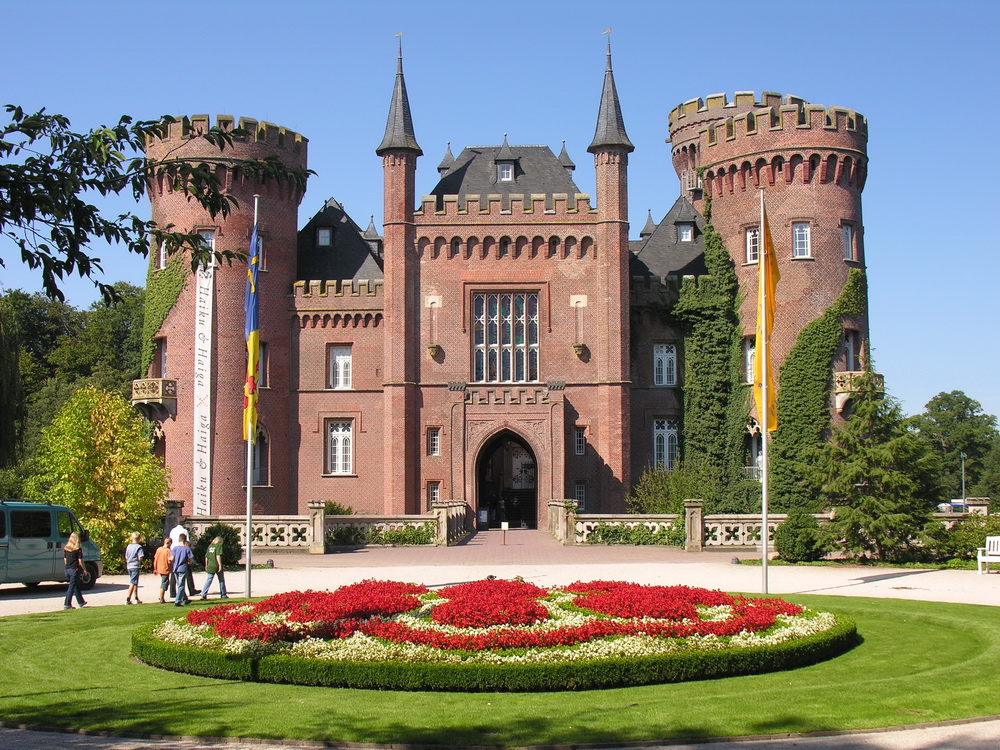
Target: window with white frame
261, 454
685, 232
208, 239
339, 368
664, 364
324, 236
261, 255
505, 337
801, 245
339, 446
505, 172
433, 493
752, 244
580, 441
434, 441
580, 495
665, 443
749, 353
852, 350
847, 235
162, 256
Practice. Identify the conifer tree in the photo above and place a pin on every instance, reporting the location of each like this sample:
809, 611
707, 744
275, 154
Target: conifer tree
880, 477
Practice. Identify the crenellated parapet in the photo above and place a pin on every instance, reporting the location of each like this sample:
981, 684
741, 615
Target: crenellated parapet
179, 141
498, 208
337, 288
749, 134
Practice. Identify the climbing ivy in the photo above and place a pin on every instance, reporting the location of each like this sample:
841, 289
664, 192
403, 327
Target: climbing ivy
803, 396
715, 403
163, 287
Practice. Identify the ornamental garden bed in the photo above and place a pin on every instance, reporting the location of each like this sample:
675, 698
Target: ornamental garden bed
494, 635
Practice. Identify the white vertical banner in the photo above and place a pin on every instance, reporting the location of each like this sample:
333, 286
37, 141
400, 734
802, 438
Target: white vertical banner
203, 348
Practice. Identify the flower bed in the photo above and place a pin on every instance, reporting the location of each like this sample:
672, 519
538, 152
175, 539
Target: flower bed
494, 635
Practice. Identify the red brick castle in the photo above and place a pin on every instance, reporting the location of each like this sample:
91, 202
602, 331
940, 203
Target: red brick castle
484, 347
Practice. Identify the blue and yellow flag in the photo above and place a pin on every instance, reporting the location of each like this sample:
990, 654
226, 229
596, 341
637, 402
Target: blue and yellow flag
251, 307
767, 266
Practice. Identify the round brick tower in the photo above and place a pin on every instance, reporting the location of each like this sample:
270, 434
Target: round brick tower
201, 343
811, 162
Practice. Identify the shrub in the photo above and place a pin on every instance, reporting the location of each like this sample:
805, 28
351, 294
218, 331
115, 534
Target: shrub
800, 538
422, 534
968, 534
660, 490
638, 534
346, 536
333, 508
232, 550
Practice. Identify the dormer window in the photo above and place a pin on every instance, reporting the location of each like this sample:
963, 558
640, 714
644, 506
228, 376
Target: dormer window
324, 236
685, 232
505, 172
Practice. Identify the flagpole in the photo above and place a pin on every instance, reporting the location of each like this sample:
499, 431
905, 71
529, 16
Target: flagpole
250, 441
763, 354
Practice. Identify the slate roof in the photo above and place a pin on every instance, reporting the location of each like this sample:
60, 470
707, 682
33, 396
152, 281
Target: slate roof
349, 256
536, 170
399, 125
661, 254
610, 129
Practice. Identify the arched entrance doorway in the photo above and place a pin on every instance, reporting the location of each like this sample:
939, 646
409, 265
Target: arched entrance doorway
505, 483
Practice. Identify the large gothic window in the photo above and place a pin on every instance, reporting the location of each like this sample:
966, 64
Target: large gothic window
664, 364
665, 443
339, 451
505, 337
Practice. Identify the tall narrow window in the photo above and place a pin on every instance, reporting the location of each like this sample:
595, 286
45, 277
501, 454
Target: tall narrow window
324, 237
580, 495
852, 350
504, 247
847, 233
505, 338
580, 441
665, 443
752, 244
664, 364
433, 494
261, 455
160, 359
264, 364
339, 446
749, 352
339, 367
161, 255
801, 246
456, 247
434, 441
261, 255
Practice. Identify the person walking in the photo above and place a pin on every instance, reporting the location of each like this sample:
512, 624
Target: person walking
133, 558
161, 566
181, 566
213, 566
73, 562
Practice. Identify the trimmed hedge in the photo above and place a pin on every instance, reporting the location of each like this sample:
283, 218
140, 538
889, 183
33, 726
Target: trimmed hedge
579, 675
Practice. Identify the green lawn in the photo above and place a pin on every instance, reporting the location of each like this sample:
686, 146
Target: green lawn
919, 662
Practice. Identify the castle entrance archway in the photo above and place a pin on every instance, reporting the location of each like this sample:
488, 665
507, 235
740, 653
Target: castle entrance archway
506, 483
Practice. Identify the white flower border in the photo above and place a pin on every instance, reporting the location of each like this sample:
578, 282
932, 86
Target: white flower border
364, 648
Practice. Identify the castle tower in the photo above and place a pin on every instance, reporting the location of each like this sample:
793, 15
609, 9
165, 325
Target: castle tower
399, 151
611, 147
200, 342
811, 162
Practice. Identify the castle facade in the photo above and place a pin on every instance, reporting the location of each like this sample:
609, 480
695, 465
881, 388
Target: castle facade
487, 346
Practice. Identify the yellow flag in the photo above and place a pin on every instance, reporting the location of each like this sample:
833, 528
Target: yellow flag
767, 279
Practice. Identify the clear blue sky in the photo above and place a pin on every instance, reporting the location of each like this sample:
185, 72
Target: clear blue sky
924, 73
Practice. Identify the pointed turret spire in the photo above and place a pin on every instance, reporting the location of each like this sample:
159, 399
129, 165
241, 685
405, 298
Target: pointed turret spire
371, 233
650, 226
399, 127
610, 125
505, 154
447, 160
564, 159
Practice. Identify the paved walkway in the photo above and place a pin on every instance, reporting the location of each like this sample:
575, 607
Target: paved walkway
538, 558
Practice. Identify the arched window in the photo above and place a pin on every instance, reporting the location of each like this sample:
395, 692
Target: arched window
665, 443
664, 364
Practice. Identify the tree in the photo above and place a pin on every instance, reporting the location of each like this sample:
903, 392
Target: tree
50, 172
95, 457
989, 480
954, 424
880, 476
12, 411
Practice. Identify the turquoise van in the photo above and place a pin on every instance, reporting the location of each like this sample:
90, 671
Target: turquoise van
32, 536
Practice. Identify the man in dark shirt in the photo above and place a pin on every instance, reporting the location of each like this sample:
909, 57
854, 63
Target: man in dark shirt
183, 558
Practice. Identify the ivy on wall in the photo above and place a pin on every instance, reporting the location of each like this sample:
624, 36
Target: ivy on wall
163, 287
804, 396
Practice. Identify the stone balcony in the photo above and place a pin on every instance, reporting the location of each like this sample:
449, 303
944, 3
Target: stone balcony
155, 397
844, 386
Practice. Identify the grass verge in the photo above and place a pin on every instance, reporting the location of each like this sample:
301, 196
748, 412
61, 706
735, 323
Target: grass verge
918, 662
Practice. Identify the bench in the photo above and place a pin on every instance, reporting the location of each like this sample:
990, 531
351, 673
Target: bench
989, 553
